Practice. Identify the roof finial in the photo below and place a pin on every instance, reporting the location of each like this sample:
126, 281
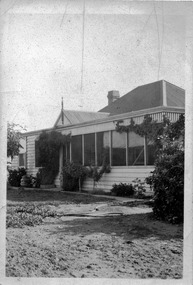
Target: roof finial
62, 111
62, 105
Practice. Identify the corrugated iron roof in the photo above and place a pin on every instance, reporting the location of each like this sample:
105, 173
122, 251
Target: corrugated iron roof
175, 95
72, 117
147, 96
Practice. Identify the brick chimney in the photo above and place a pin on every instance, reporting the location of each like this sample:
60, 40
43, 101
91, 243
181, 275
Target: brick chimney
113, 96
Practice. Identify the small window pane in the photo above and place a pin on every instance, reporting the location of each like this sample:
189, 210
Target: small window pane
135, 149
103, 147
118, 149
21, 159
77, 149
66, 153
89, 149
150, 153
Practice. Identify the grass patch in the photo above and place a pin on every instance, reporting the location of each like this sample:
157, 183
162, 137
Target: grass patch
27, 215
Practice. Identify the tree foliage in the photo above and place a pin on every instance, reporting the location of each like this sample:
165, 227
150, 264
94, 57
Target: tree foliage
13, 139
167, 180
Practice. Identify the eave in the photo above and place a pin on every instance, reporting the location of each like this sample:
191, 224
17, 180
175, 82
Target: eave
110, 119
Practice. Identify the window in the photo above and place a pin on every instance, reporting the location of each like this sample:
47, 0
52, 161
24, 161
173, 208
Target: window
103, 147
66, 152
22, 159
76, 144
135, 149
37, 155
118, 149
150, 152
89, 149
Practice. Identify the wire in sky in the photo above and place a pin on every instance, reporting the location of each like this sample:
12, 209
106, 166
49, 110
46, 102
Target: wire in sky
83, 32
64, 15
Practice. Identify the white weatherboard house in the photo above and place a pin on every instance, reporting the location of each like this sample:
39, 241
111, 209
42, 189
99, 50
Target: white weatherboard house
130, 156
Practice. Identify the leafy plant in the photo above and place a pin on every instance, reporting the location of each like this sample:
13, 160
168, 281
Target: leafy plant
27, 215
48, 146
15, 176
139, 188
35, 181
73, 176
96, 172
167, 180
13, 139
122, 190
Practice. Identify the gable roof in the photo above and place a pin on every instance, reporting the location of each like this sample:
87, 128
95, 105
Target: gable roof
71, 117
159, 93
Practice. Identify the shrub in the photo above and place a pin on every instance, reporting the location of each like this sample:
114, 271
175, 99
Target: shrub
167, 180
139, 188
73, 176
35, 181
46, 176
70, 183
15, 176
122, 190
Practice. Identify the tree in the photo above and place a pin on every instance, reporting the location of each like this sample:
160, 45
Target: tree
13, 139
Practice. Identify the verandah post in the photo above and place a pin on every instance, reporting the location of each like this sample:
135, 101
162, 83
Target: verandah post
61, 151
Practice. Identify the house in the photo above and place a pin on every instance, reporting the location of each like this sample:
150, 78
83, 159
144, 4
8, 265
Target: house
130, 155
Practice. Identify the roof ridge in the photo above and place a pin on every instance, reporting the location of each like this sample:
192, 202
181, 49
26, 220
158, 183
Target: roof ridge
81, 111
174, 85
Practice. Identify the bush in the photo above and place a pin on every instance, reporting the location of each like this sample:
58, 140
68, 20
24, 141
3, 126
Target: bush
15, 176
122, 190
73, 176
167, 180
46, 176
139, 188
70, 183
35, 181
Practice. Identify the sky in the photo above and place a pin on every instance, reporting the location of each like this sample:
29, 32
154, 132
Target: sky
81, 49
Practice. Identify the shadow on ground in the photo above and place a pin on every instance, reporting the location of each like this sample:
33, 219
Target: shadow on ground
130, 227
19, 195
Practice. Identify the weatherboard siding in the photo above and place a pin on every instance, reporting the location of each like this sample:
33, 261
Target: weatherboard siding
15, 162
31, 169
118, 175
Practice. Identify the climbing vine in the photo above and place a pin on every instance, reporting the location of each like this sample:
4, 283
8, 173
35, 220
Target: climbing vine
96, 172
167, 179
48, 146
155, 131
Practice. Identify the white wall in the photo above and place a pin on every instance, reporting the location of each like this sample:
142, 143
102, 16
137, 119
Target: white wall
119, 175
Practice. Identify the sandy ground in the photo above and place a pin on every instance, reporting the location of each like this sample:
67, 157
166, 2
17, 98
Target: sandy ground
102, 239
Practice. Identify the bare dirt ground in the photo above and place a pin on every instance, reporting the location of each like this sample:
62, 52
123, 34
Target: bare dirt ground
92, 237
